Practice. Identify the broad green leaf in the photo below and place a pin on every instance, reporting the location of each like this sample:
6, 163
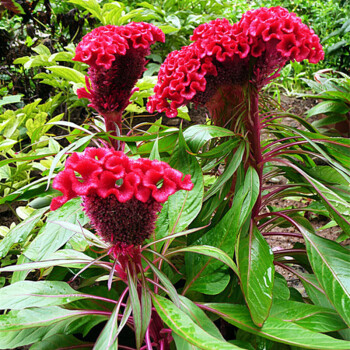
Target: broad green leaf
35, 317
221, 150
208, 276
20, 232
197, 136
185, 205
42, 50
331, 265
338, 207
92, 6
14, 339
199, 317
52, 236
183, 326
62, 342
230, 169
6, 100
280, 288
213, 252
276, 329
67, 73
107, 339
27, 294
314, 291
256, 271
166, 283
327, 107
312, 317
136, 309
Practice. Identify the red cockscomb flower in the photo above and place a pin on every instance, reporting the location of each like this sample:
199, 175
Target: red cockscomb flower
229, 56
116, 56
121, 196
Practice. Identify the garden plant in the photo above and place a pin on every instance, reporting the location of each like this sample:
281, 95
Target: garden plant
132, 231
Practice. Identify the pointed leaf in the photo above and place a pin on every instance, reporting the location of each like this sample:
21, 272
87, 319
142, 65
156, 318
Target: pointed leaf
136, 310
185, 205
204, 274
35, 317
26, 294
312, 317
107, 339
60, 341
20, 232
183, 326
256, 270
52, 236
276, 329
331, 264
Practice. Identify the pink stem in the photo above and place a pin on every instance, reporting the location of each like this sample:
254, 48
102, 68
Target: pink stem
291, 234
113, 122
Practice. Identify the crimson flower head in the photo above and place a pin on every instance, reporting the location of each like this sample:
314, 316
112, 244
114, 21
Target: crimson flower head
228, 56
116, 56
121, 196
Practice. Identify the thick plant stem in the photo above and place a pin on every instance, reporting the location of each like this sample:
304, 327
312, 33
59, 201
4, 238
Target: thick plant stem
113, 122
253, 126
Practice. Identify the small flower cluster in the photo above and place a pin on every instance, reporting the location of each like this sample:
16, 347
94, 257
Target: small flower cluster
116, 56
252, 50
120, 195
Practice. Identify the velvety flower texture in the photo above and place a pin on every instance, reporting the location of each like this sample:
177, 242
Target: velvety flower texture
121, 196
116, 56
224, 55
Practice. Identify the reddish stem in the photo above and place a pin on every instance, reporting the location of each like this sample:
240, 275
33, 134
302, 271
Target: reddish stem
113, 122
291, 234
253, 125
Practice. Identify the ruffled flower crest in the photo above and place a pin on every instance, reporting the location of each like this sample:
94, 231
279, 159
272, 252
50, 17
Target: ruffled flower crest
229, 56
116, 56
121, 196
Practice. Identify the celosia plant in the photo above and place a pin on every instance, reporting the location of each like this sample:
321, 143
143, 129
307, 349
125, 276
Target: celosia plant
121, 195
225, 58
227, 65
116, 56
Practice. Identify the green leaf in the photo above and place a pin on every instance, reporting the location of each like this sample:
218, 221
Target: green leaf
52, 236
280, 288
199, 317
92, 6
26, 294
14, 339
327, 107
185, 205
220, 150
67, 73
183, 326
42, 50
331, 264
312, 317
314, 291
20, 232
256, 271
6, 100
213, 252
205, 275
338, 207
276, 329
107, 339
35, 317
230, 169
197, 136
62, 342
136, 310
